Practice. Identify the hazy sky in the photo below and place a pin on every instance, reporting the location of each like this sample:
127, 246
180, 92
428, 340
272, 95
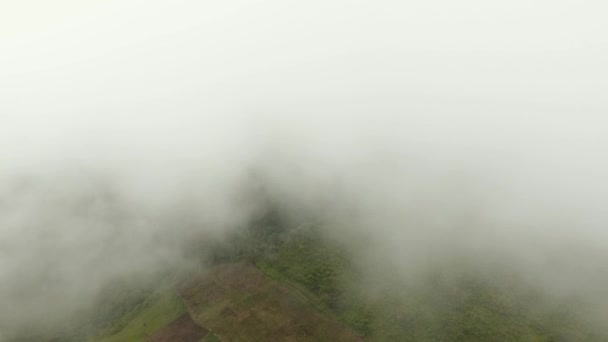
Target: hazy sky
475, 126
132, 72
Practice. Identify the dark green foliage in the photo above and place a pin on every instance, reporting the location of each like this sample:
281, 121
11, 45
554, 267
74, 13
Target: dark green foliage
450, 304
260, 239
358, 317
457, 307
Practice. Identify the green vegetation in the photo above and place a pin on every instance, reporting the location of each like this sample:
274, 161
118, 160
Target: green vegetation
449, 308
309, 286
153, 313
211, 338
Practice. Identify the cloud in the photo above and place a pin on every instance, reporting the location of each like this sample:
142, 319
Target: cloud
434, 128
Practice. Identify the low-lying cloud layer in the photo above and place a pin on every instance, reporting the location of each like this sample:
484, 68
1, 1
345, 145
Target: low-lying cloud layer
434, 129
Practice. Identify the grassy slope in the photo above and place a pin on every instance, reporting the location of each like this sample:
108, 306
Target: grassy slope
155, 312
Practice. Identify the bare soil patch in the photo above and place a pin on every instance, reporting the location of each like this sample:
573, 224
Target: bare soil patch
238, 302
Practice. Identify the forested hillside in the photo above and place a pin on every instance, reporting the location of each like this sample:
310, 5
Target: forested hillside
276, 283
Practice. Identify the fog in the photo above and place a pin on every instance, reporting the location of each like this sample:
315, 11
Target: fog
433, 129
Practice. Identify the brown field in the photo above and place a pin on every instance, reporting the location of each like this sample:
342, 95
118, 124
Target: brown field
237, 302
